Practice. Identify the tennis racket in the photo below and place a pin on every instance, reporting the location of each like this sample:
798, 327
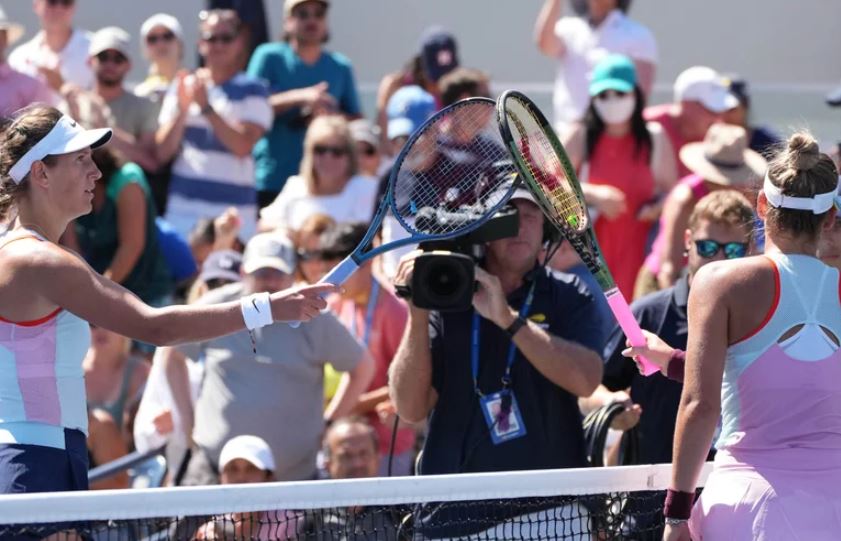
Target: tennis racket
544, 165
451, 176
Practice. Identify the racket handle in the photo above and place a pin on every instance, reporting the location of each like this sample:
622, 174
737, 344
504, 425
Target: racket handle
628, 323
337, 276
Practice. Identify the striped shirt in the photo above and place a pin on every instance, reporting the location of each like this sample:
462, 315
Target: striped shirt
207, 177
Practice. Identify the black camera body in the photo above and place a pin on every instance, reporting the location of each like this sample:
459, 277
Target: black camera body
444, 276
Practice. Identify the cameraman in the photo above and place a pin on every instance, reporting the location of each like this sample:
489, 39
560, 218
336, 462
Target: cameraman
536, 336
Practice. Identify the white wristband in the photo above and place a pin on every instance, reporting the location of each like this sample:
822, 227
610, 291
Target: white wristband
256, 311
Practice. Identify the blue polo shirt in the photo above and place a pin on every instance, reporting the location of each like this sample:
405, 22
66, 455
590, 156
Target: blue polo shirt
278, 154
458, 438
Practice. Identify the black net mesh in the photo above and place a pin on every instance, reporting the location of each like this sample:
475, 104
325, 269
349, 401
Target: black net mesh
620, 515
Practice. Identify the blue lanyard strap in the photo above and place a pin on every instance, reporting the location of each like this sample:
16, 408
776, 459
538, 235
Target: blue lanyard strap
369, 313
512, 349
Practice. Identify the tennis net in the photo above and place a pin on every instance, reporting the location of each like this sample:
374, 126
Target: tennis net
592, 504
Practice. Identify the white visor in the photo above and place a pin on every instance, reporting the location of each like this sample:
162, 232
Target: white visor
65, 137
818, 204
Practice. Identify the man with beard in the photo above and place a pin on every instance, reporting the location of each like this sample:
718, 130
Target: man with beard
304, 80
135, 121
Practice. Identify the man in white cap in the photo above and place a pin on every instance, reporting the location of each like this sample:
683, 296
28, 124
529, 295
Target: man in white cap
269, 384
134, 117
57, 54
701, 96
17, 89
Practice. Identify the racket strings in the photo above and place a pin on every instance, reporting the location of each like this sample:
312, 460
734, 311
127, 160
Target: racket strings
546, 168
453, 171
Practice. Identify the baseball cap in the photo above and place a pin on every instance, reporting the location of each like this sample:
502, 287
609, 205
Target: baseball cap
162, 19
251, 448
65, 137
614, 72
13, 30
704, 85
362, 130
289, 5
110, 37
408, 109
520, 192
269, 250
439, 52
221, 265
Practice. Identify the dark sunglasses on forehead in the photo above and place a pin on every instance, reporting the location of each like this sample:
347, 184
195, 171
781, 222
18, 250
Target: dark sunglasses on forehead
112, 56
64, 3
321, 150
165, 37
708, 248
608, 94
225, 39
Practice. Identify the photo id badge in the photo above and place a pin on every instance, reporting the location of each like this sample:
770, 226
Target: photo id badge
503, 416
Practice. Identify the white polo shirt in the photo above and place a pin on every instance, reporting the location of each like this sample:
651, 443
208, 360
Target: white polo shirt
72, 60
585, 47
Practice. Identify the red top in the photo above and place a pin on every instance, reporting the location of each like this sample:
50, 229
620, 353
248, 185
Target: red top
622, 239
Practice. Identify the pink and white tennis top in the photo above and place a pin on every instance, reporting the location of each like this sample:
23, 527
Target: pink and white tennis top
781, 401
42, 386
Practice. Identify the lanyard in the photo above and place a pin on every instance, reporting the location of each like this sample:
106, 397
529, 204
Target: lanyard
474, 357
369, 313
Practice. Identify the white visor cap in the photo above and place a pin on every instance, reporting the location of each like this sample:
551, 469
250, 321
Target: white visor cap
66, 136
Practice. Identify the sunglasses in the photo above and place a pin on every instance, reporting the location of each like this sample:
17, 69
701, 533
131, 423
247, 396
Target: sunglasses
732, 250
337, 152
321, 255
610, 94
367, 150
115, 57
64, 3
224, 39
165, 37
304, 14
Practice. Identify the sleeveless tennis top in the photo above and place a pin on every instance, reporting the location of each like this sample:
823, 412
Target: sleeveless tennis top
781, 400
42, 387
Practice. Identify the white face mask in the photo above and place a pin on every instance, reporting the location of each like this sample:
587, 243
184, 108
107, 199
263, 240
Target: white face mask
616, 109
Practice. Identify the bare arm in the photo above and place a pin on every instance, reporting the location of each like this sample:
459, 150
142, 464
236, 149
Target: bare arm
700, 402
175, 367
544, 30
315, 96
410, 374
100, 301
140, 150
676, 212
169, 135
388, 86
238, 137
131, 232
106, 444
350, 388
368, 401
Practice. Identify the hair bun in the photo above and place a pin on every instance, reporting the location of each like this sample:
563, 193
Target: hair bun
803, 151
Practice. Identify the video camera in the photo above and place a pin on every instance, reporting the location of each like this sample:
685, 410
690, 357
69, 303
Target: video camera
444, 277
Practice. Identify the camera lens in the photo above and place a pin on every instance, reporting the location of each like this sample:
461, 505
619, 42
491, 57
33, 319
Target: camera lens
446, 279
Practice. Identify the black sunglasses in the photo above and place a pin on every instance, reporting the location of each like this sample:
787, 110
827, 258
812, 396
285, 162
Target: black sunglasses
152, 39
366, 149
115, 57
337, 152
732, 250
224, 39
304, 14
65, 3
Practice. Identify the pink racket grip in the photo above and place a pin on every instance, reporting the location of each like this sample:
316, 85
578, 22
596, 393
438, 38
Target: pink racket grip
628, 323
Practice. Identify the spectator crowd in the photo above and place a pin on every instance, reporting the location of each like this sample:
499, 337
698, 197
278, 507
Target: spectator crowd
258, 170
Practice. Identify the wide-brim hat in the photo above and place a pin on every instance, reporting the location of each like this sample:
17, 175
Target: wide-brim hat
723, 157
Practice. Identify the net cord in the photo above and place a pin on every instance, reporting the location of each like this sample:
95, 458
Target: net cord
207, 500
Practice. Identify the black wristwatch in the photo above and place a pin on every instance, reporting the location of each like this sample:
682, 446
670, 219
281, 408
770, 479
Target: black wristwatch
515, 326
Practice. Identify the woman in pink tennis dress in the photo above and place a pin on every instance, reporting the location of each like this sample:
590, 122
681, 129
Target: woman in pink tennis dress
763, 355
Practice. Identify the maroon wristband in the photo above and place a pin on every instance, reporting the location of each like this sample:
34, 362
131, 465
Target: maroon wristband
678, 504
676, 365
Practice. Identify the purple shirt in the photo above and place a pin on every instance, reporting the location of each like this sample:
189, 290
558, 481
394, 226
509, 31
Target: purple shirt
18, 90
